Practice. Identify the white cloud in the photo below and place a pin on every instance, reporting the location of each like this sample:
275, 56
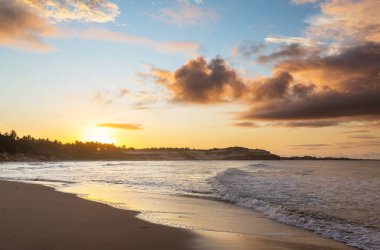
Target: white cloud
100, 11
291, 40
189, 1
300, 2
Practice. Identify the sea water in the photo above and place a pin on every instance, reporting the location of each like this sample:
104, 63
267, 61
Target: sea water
336, 199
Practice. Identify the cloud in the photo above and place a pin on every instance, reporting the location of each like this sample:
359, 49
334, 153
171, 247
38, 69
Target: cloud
291, 40
245, 124
372, 124
347, 22
123, 92
189, 1
315, 82
292, 124
284, 52
185, 15
312, 123
355, 144
248, 49
24, 24
200, 82
300, 2
188, 48
292, 48
269, 88
140, 99
102, 98
100, 11
315, 91
354, 69
342, 85
356, 131
126, 126
21, 28
144, 99
364, 137
323, 105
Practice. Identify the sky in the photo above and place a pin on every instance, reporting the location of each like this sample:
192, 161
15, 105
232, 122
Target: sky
295, 77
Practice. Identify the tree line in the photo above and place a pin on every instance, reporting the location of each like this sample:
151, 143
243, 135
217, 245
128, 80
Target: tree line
13, 147
12, 144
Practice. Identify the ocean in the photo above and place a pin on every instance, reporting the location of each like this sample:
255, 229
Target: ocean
336, 199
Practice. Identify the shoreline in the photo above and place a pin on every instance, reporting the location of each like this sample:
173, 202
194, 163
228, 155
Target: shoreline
40, 158
37, 160
39, 217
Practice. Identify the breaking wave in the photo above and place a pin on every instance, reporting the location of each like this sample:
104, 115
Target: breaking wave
243, 189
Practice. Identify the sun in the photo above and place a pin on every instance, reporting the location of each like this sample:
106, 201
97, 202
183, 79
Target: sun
96, 134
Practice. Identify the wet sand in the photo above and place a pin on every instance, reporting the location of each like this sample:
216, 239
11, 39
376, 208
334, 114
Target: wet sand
38, 217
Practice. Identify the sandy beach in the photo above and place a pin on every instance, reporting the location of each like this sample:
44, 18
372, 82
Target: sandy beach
38, 217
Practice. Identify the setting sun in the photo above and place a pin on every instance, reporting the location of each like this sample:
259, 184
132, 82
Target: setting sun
96, 134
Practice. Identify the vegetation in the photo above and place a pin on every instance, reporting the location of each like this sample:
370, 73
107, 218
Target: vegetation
15, 148
11, 144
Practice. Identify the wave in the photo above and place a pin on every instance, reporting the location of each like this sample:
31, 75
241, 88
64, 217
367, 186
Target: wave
39, 166
39, 180
228, 185
260, 165
115, 164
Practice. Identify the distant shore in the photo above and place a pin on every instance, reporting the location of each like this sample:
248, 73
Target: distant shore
37, 217
4, 157
28, 148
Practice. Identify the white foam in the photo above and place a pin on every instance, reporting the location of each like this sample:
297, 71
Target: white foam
238, 187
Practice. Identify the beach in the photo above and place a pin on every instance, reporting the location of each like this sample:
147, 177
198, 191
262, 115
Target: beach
38, 217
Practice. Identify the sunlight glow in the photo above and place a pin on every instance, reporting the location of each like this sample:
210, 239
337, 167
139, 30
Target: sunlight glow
96, 134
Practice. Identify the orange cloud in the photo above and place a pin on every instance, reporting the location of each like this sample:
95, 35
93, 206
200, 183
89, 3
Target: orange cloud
126, 126
314, 90
24, 24
327, 78
123, 92
342, 85
245, 124
21, 28
346, 21
200, 82
102, 98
